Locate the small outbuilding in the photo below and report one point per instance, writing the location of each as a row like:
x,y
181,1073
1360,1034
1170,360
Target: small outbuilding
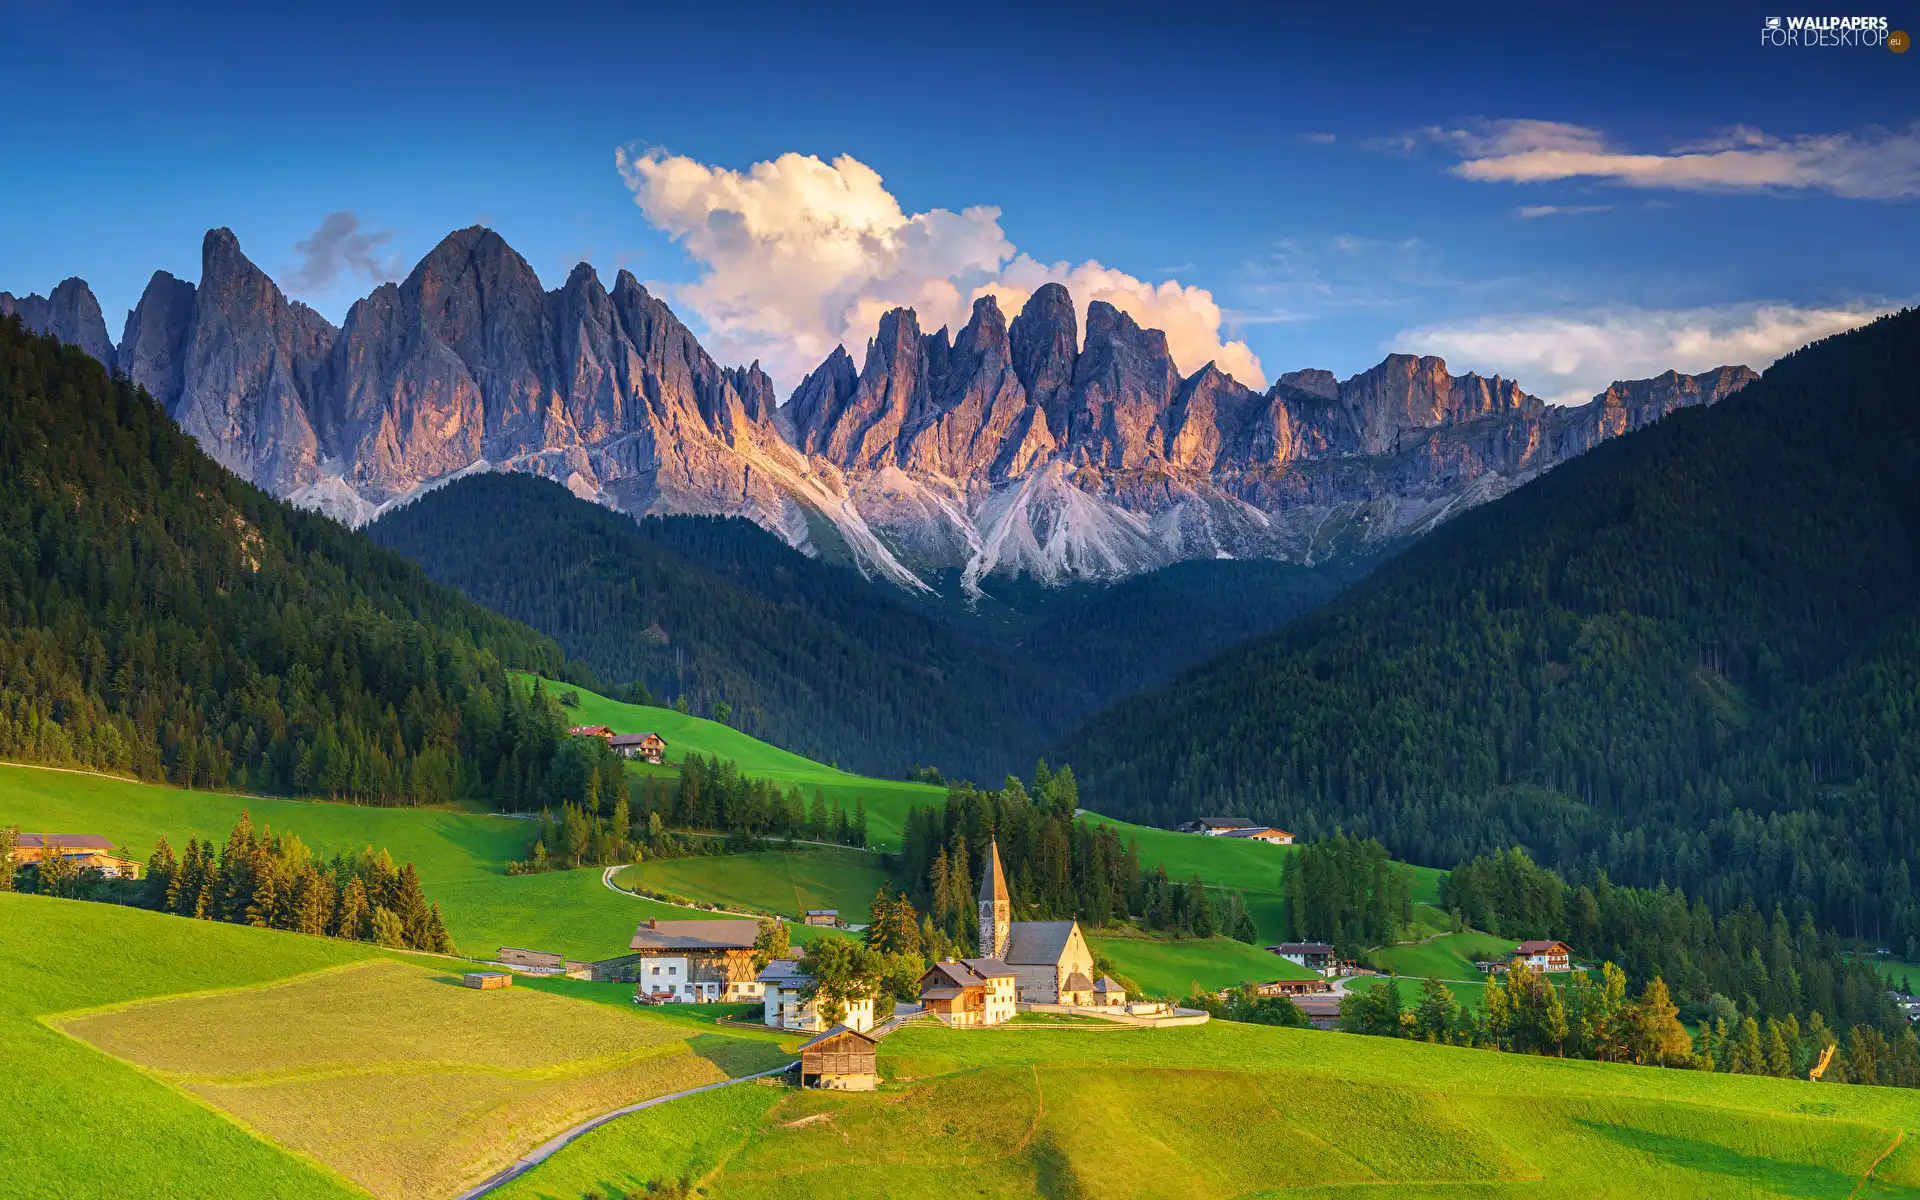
x,y
1108,994
823,916
840,1059
486,981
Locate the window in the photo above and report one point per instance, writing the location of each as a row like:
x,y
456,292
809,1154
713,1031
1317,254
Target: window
x,y
656,970
673,970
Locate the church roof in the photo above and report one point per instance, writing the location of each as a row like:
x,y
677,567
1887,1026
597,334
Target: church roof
x,y
993,881
1077,982
1106,984
1038,943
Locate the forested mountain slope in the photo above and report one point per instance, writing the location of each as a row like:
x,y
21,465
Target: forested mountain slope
x,y
160,616
814,657
1691,656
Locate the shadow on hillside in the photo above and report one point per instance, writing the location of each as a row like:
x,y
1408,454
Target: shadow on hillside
x,y
1775,1175
737,1056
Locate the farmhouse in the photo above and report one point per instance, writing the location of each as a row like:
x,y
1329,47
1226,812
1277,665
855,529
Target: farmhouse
x,y
840,1059
1213,826
1544,955
1050,959
1312,955
648,747
86,851
599,731
695,962
1262,833
823,916
785,1006
969,991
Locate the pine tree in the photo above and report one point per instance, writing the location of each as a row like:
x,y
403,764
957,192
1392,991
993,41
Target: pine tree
x,y
412,910
437,939
162,870
353,919
9,834
859,828
817,819
388,930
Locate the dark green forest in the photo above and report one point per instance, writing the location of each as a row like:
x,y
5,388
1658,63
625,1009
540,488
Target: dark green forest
x,y
161,617
814,657
1690,657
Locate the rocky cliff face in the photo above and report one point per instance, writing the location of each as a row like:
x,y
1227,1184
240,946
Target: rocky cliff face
x,y
1011,447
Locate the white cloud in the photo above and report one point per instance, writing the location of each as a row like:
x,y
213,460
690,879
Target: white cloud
x,y
1531,211
1569,359
1876,165
798,255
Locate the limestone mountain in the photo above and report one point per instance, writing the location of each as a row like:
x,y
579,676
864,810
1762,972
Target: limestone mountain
x,y
1022,446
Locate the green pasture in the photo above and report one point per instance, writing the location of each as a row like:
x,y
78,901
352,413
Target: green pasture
x,y
1172,968
886,800
1449,956
788,882
1226,1110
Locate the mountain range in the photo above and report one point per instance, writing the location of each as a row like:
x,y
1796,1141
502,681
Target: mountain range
x,y
1027,446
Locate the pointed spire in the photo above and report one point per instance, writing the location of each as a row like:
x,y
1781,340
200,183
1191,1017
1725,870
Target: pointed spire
x,y
993,881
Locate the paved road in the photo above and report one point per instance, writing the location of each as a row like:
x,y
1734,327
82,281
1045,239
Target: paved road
x,y
546,1149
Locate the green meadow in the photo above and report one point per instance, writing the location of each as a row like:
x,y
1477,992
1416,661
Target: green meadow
x,y
788,882
1226,1110
1449,956
1175,967
886,800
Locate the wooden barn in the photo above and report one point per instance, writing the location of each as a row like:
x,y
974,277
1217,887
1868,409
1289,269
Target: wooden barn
x,y
840,1059
487,980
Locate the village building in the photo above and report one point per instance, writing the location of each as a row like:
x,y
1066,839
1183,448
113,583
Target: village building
x,y
1108,994
1293,987
599,731
1262,833
695,962
1049,958
841,1059
1314,956
785,1006
823,916
86,851
1544,955
1214,826
647,747
969,991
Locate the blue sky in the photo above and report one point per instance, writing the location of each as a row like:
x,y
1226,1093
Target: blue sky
x,y
1568,199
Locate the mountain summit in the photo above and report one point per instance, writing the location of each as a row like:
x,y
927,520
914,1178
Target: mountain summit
x,y
1015,446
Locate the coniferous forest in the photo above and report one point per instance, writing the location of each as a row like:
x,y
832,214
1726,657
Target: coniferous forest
x,y
1687,658
811,656
158,616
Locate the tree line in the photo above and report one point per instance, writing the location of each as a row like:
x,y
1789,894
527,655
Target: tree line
x,y
712,793
1346,892
261,878
1056,866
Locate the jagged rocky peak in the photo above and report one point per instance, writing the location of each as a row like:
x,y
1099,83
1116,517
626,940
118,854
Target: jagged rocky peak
x,y
1045,340
153,343
1124,383
1406,393
70,313
817,404
1313,381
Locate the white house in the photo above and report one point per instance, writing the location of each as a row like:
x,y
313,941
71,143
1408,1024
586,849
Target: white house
x,y
782,982
1544,955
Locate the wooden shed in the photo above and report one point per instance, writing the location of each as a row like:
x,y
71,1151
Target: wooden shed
x,y
840,1059
485,980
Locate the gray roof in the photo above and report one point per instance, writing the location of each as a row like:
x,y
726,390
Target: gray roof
x,y
634,739
836,1031
1106,984
63,841
970,972
696,935
783,971
1224,822
1077,982
993,881
1038,943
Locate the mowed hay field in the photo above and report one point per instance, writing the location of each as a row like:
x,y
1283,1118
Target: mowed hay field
x,y
1172,968
400,1079
1224,1110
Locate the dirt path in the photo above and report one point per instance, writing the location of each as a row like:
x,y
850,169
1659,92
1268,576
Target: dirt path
x,y
1899,1135
546,1149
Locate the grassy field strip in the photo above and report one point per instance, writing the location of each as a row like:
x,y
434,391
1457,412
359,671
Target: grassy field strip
x,y
551,1146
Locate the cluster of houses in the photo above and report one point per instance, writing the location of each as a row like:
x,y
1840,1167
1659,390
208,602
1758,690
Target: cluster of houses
x,y
647,747
1235,827
86,851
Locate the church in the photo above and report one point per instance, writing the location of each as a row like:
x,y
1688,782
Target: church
x,y
1050,960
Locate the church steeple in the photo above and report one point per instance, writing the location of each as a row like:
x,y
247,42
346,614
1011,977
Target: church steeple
x,y
996,907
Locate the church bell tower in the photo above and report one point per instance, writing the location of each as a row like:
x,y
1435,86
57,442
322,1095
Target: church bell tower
x,y
996,908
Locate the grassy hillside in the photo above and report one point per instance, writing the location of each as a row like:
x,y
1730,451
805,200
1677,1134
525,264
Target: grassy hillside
x,y
886,800
1174,968
778,881
1224,1110
337,1062
461,857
